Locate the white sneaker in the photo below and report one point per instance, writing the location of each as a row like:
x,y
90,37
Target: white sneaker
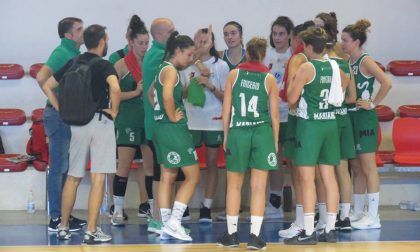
x,y
320,226
176,230
367,222
221,216
117,219
273,213
355,216
292,231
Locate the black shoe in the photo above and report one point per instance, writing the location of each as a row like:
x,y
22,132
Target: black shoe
x,y
228,240
302,239
144,209
330,237
256,242
186,216
53,225
111,212
316,219
205,215
343,225
77,221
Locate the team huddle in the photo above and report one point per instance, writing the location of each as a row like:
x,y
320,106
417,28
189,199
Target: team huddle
x,y
302,98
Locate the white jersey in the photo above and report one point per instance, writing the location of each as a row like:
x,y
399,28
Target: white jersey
x,y
277,62
209,116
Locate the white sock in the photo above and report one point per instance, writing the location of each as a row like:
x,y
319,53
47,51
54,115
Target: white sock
x,y
331,217
344,210
278,193
322,207
373,204
309,220
150,201
165,214
256,222
299,215
359,202
207,202
178,211
118,204
232,223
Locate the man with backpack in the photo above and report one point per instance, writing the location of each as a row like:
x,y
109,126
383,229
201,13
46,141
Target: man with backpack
x,y
70,30
88,84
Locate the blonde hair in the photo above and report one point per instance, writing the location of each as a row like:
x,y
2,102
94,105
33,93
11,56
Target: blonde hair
x,y
256,48
316,37
358,30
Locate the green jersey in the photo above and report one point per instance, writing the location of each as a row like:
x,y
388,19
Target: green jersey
x,y
159,109
227,60
313,103
345,67
364,84
249,100
131,112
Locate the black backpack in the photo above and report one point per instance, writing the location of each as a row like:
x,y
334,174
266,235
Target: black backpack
x,y
75,97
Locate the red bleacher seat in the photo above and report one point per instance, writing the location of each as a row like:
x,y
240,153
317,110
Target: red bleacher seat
x,y
409,111
385,113
33,71
201,153
7,166
12,117
381,66
406,138
11,71
37,115
39,165
404,67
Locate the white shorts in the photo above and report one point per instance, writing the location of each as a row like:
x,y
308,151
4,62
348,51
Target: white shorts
x,y
94,141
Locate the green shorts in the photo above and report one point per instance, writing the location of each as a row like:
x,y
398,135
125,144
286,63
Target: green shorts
x,y
365,130
282,133
317,143
290,137
209,138
174,145
345,136
130,136
251,148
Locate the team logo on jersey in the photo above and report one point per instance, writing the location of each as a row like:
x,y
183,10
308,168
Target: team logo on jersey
x,y
173,158
272,159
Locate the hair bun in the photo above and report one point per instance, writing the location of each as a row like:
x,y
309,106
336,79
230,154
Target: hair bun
x,y
362,25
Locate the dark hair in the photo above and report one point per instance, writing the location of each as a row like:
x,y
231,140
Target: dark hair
x,y
66,24
93,34
176,41
136,27
316,37
256,48
330,26
213,51
358,30
236,24
282,21
300,28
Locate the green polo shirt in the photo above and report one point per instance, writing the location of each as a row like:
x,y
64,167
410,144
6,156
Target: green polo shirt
x,y
115,56
66,51
152,59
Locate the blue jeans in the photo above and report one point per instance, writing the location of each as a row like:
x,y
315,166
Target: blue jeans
x,y
59,134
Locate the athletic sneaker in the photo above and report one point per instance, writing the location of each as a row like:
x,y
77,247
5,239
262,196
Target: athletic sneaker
x,y
55,222
256,242
228,240
355,216
330,237
320,226
302,239
205,215
111,212
144,209
117,219
63,233
271,212
367,222
292,231
77,221
186,216
343,225
176,230
154,226
96,237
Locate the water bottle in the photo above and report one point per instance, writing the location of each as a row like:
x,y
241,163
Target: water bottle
x,y
30,205
104,207
287,198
